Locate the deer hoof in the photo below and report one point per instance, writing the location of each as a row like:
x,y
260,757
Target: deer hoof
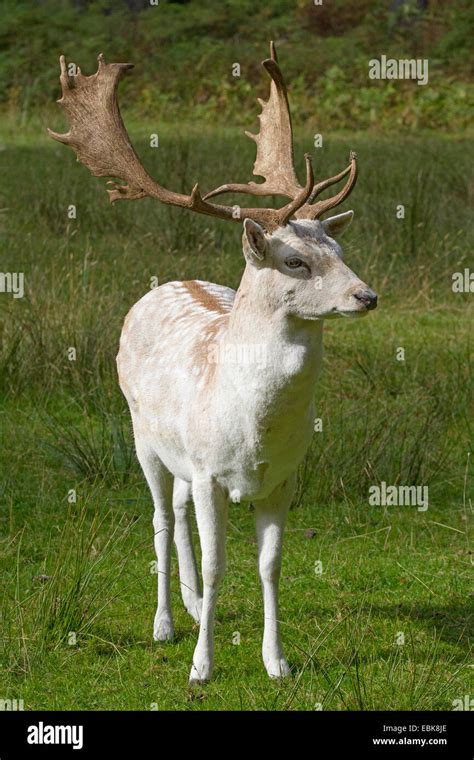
x,y
163,629
200,672
278,668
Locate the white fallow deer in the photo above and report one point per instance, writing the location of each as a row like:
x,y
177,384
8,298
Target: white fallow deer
x,y
221,384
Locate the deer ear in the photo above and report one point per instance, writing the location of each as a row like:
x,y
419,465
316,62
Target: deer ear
x,y
335,225
254,243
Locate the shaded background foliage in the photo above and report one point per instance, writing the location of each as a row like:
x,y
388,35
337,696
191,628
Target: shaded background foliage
x,y
184,53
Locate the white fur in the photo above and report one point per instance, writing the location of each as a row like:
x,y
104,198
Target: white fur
x,y
230,431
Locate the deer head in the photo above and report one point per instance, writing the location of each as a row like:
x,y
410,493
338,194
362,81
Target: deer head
x,y
301,259
299,270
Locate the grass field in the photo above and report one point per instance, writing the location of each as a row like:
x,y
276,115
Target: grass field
x,y
385,625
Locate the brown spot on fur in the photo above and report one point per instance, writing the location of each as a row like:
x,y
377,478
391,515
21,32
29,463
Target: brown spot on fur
x,y
203,349
204,297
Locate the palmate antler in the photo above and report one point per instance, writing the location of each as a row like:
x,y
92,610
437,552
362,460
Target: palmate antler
x,y
274,161
98,136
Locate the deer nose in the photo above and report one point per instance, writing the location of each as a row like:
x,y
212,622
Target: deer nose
x,y
368,298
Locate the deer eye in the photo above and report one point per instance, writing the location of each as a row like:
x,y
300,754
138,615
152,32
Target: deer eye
x,y
294,263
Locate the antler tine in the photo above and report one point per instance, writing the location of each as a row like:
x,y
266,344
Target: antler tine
x,y
312,210
325,183
300,200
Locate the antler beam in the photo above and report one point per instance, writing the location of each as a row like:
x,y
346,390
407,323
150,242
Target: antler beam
x,y
98,137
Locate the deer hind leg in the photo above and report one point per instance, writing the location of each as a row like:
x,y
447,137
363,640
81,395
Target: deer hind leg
x,y
160,482
270,523
211,514
188,573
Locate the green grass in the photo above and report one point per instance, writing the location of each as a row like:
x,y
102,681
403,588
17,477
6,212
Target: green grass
x,y
85,568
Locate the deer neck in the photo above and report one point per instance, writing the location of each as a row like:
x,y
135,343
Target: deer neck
x,y
280,355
